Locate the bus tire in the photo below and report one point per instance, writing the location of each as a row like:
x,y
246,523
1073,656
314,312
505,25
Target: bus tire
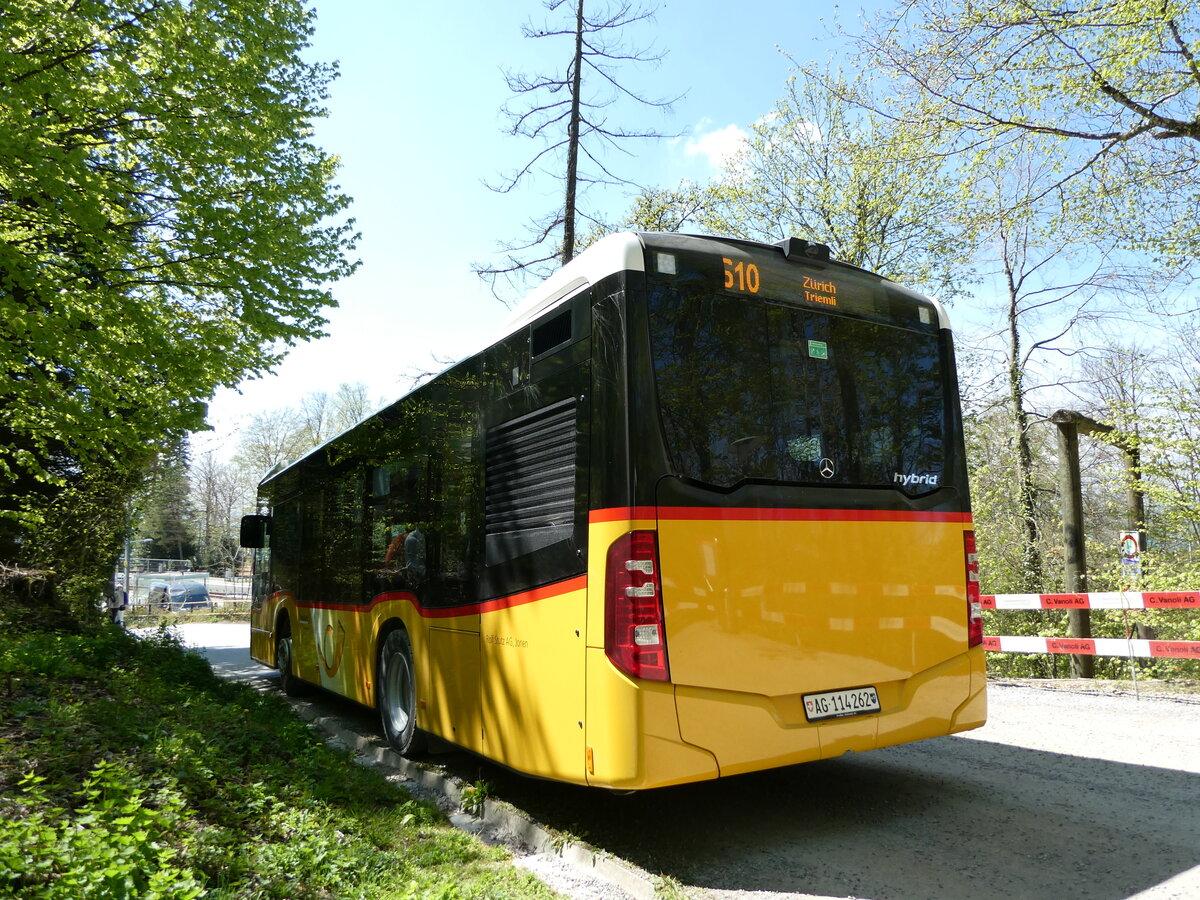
x,y
397,695
289,682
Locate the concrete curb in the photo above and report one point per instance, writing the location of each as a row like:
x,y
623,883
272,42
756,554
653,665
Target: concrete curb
x,y
499,823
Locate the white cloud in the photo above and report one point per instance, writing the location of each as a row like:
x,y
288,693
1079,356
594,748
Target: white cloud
x,y
718,147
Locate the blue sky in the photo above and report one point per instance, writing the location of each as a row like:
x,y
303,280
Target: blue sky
x,y
415,118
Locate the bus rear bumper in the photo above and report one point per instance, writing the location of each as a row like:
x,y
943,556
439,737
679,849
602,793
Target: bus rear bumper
x,y
662,734
747,732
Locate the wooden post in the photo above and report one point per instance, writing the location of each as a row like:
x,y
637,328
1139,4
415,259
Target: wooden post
x,y
1079,621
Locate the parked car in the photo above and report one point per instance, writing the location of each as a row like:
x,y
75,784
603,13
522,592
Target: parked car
x,y
179,595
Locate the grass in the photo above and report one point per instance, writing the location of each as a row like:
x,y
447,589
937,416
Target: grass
x,y
128,770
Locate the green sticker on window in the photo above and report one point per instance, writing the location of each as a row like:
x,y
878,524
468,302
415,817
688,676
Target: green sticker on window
x,y
818,350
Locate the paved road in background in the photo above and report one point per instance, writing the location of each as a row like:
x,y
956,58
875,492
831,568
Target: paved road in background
x,y
1063,794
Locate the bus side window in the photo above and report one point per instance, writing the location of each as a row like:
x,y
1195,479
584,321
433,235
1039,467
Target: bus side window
x,y
285,555
551,333
396,499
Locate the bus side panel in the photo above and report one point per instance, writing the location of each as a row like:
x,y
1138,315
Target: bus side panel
x,y
445,653
339,641
263,613
452,699
304,645
633,736
532,681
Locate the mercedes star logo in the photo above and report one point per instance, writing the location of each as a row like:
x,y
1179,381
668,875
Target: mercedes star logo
x,y
827,468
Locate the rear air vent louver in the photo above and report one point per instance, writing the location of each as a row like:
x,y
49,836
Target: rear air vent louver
x,y
530,496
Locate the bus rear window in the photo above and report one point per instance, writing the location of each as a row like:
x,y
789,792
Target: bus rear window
x,y
754,390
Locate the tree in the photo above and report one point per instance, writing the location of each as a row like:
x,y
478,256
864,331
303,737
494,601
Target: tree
x,y
166,227
269,439
281,436
166,520
323,416
815,167
220,496
1153,401
1112,89
567,113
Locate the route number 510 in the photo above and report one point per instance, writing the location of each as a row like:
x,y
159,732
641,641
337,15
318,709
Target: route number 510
x,y
741,276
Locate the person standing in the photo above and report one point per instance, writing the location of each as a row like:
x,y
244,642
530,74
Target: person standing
x,y
117,601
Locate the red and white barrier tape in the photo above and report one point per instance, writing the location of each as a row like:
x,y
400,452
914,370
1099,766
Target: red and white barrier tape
x,y
1110,600
1094,647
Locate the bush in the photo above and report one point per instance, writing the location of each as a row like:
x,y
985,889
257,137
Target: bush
x,y
128,770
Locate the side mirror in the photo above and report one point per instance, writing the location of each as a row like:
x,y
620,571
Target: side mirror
x,y
254,531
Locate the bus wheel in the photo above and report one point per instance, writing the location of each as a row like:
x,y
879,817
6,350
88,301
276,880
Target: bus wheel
x,y
291,685
397,695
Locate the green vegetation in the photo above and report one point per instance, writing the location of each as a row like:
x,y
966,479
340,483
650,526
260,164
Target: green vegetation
x,y
153,247
128,770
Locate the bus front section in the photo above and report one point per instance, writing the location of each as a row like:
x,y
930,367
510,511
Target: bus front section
x,y
792,577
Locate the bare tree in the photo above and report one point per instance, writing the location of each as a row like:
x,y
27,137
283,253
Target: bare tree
x,y
351,404
220,495
568,114
1052,279
269,439
284,435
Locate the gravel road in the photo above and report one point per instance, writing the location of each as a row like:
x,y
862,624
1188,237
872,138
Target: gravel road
x,y
1084,793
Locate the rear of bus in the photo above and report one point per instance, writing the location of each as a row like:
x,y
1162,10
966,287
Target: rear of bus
x,y
784,524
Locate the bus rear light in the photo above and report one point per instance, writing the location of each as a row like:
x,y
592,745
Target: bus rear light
x,y
634,632
974,604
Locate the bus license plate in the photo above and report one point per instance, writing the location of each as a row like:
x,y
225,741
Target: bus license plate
x,y
835,704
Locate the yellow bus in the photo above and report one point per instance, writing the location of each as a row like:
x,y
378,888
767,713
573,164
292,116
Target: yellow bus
x,y
701,509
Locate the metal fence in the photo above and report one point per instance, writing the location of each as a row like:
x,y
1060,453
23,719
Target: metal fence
x,y
150,588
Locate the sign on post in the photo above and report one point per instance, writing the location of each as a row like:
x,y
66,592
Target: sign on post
x,y
1131,551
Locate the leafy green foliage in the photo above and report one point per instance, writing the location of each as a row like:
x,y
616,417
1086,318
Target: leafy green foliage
x,y
127,770
165,226
1151,400
1109,89
817,167
104,847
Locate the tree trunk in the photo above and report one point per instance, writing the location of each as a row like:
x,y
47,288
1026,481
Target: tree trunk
x,y
1031,555
568,244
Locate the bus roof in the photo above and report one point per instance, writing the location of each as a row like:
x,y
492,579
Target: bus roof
x,y
620,252
614,253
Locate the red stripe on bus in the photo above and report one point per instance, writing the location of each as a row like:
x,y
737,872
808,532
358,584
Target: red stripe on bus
x,y
622,514
471,609
772,514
